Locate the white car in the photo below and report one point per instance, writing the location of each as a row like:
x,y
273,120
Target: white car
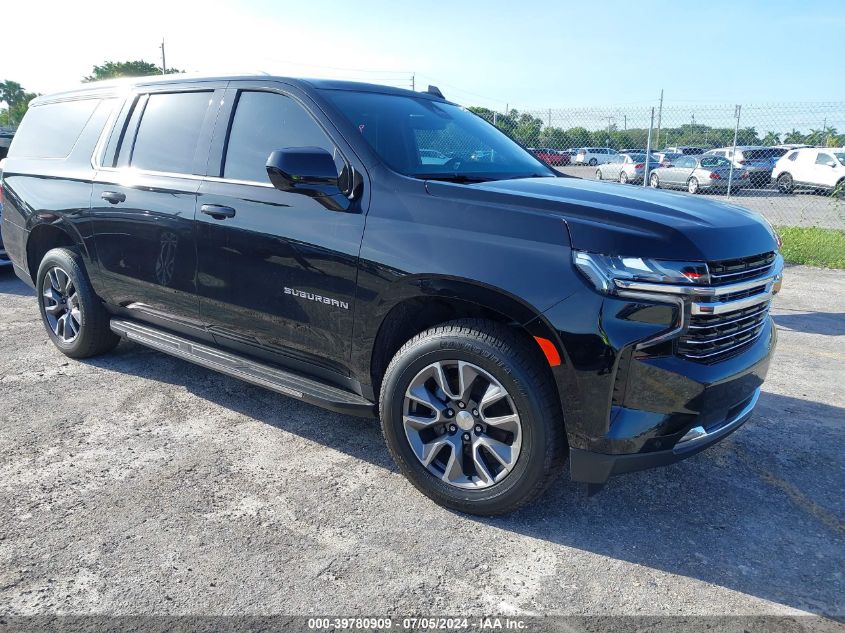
x,y
817,168
593,156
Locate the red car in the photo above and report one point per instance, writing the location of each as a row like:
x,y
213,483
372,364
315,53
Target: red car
x,y
551,156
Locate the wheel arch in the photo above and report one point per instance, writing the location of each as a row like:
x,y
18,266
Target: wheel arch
x,y
424,302
46,236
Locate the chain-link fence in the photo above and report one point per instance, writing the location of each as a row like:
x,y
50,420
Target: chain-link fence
x,y
786,161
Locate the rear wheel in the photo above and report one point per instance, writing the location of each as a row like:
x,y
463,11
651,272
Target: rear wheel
x,y
471,417
654,181
75,319
785,183
623,177
598,174
692,185
593,162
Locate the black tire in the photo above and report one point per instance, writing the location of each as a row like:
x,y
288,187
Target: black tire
x,y
519,368
598,174
93,334
593,162
785,183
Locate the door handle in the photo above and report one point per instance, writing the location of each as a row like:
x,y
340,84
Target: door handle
x,y
113,196
218,212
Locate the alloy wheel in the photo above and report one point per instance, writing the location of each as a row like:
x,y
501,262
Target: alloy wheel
x,y
623,177
654,182
692,185
60,302
462,424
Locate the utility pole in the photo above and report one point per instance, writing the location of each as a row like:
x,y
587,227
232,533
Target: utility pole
x,y
413,82
163,62
625,122
550,117
659,119
737,112
648,150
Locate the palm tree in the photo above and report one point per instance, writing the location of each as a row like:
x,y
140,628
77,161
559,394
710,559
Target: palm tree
x,y
815,137
771,138
794,137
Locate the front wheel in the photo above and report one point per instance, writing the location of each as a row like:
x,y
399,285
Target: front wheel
x,y
598,174
75,319
654,181
692,185
785,183
471,417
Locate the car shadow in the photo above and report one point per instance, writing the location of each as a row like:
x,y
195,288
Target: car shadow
x,y
828,323
760,513
11,285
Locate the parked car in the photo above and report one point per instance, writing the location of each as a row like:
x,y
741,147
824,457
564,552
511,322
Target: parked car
x,y
432,157
593,156
687,150
6,137
5,262
699,174
626,168
665,158
815,168
757,160
550,156
498,317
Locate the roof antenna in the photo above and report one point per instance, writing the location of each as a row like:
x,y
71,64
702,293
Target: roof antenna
x,y
434,90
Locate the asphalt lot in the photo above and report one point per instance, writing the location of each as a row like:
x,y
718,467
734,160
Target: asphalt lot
x,y
795,209
137,483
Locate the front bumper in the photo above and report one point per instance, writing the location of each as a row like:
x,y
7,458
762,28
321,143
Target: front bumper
x,y
597,468
633,394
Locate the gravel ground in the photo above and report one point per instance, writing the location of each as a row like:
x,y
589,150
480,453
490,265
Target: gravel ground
x,y
795,209
137,483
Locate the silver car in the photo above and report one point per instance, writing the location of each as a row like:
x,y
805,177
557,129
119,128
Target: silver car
x,y
698,174
757,160
626,168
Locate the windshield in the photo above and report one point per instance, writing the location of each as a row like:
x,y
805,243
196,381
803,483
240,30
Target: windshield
x,y
406,131
840,156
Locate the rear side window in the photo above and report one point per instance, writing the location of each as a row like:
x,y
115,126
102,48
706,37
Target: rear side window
x,y
263,123
169,130
793,156
51,130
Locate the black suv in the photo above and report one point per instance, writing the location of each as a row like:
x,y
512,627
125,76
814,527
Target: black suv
x,y
292,233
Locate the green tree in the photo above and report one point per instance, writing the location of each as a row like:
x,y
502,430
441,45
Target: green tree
x,y
771,138
794,137
138,68
815,137
17,101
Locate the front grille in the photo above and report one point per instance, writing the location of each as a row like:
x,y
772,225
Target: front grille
x,y
733,270
711,338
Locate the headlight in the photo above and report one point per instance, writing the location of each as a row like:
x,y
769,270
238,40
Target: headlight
x,y
604,270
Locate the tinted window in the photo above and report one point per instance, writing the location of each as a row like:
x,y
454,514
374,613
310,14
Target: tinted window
x,y
264,122
769,152
686,162
169,130
793,156
825,159
51,130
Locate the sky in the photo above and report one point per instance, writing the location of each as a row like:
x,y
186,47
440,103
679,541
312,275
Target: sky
x,y
498,54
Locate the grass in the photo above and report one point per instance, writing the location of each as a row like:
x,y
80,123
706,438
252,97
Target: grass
x,y
813,246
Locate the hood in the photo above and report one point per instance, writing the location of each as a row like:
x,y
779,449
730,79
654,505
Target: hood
x,y
616,219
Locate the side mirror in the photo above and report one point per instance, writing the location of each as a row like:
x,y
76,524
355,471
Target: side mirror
x,y
307,170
